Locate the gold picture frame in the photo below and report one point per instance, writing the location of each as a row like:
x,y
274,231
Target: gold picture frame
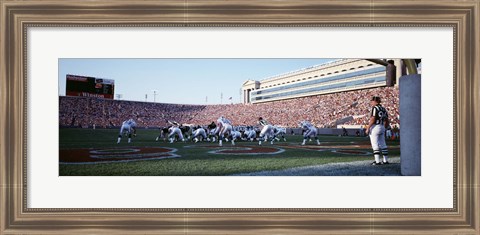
x,y
17,16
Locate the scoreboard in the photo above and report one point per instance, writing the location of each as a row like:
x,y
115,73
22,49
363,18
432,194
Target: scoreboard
x,y
90,86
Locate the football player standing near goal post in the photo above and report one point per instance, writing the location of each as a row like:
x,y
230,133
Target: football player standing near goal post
x,y
376,130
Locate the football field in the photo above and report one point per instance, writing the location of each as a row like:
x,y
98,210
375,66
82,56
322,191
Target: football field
x,y
87,152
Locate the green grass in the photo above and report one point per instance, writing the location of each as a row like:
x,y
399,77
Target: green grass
x,y
196,161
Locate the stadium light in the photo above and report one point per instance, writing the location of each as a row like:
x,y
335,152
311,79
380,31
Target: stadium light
x,y
154,96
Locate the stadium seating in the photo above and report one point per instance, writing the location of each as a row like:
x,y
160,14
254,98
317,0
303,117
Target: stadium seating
x,y
322,110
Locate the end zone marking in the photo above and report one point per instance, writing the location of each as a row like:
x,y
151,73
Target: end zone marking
x,y
114,151
241,150
247,151
115,155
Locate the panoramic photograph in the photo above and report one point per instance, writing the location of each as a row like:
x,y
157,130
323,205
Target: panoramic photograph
x,y
233,117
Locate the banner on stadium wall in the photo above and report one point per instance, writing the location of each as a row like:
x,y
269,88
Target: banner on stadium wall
x,y
90,87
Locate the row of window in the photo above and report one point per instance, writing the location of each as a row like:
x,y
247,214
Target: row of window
x,y
344,70
321,88
320,81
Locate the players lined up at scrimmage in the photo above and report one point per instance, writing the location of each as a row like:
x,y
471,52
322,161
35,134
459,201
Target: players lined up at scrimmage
x,y
223,129
175,131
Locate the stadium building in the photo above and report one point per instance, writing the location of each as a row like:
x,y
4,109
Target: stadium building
x,y
336,76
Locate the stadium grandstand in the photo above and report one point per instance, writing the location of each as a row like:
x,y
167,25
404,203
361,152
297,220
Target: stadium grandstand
x,y
341,108
329,95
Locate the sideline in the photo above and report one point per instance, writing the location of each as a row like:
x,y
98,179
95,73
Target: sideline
x,y
357,168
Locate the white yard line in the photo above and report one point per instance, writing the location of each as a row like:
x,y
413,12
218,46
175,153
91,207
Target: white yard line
x,y
357,168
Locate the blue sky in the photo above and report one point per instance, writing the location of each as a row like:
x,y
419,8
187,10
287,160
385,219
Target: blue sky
x,y
182,81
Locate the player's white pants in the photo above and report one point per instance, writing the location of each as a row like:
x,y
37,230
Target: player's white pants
x,y
199,132
280,132
377,138
218,128
173,131
236,135
125,129
226,128
310,132
267,131
213,131
252,135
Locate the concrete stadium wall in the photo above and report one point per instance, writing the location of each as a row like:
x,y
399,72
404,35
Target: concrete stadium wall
x,y
325,131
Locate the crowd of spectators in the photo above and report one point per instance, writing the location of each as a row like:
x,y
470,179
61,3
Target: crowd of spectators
x,y
322,110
